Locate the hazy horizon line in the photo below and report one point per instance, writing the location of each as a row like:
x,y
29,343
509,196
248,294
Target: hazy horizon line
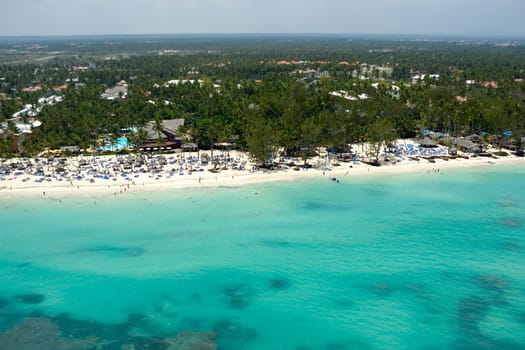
x,y
269,34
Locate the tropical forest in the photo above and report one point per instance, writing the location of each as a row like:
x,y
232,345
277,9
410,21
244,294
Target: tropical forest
x,y
260,94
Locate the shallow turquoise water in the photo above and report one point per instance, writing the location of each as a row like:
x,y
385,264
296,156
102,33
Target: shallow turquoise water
x,y
420,261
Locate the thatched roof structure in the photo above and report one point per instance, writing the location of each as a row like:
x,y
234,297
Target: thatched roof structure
x,y
190,146
474,138
169,129
467,145
428,143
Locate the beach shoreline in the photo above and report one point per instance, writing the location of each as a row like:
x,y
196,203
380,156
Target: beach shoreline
x,y
25,185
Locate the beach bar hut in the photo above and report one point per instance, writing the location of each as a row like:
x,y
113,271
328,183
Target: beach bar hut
x,y
428,143
467,146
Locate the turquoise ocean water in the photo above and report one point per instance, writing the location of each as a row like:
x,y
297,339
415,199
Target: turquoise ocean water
x,y
412,261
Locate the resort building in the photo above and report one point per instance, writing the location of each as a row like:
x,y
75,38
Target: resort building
x,y
118,91
165,137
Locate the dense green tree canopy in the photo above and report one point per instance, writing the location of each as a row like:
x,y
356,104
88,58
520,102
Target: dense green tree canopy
x,y
266,94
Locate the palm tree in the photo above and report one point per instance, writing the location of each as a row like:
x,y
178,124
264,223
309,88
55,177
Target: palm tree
x,y
158,127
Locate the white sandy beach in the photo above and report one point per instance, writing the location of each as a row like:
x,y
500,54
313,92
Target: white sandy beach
x,y
180,176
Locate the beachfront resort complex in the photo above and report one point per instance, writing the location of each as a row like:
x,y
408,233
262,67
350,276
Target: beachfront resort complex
x,y
106,120
261,192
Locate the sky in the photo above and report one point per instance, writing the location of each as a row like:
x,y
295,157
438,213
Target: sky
x,y
98,17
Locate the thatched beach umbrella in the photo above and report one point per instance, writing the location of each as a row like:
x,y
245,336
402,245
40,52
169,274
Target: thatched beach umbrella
x,y
205,158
